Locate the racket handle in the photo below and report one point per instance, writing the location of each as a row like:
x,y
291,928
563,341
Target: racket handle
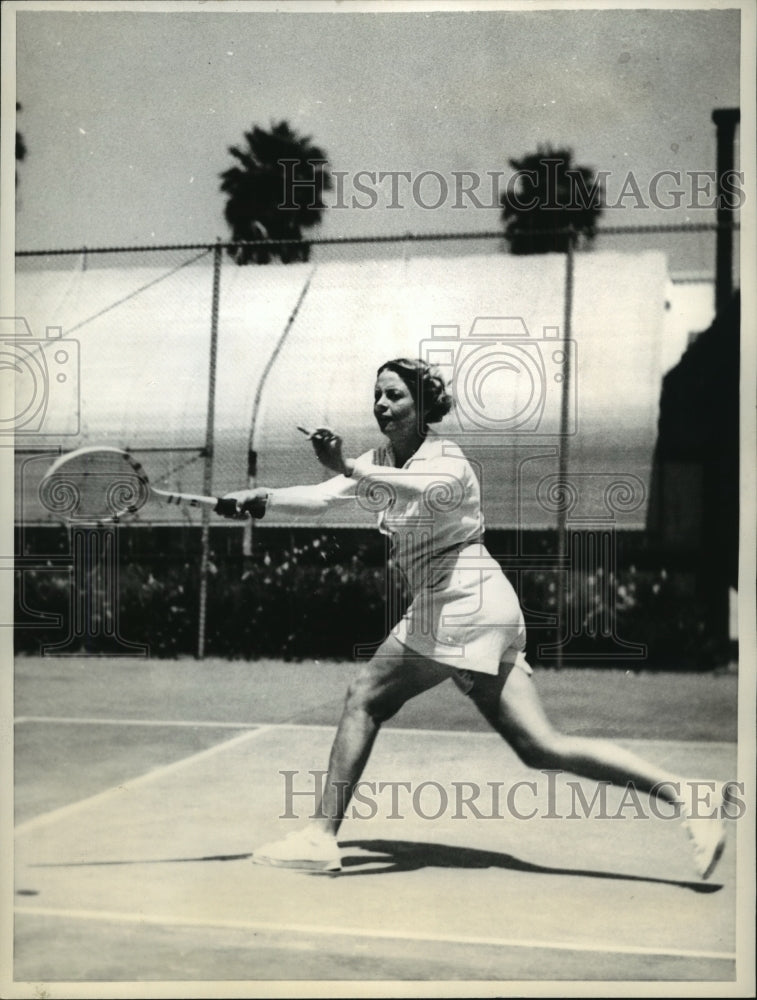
x,y
229,507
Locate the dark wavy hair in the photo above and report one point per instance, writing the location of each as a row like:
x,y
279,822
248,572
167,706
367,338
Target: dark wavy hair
x,y
426,386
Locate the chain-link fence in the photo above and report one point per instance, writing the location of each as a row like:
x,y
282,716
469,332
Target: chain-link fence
x,y
203,369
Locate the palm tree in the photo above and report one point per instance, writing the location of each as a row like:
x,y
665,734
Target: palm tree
x,y
275,191
549,203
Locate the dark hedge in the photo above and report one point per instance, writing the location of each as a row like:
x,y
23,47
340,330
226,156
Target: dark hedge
x,y
318,594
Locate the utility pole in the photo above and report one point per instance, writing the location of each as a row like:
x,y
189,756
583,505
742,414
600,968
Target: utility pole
x,y
726,120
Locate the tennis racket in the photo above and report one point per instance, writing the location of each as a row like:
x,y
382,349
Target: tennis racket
x,y
103,483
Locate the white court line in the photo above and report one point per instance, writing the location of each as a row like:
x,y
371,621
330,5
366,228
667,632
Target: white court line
x,y
254,729
318,727
143,779
95,721
332,931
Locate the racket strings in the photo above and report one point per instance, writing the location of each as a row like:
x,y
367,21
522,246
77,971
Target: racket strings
x,y
96,485
102,483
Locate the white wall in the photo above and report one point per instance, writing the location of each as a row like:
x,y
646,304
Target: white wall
x,y
143,339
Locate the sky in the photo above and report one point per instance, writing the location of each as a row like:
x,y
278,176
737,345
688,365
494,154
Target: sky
x,y
127,115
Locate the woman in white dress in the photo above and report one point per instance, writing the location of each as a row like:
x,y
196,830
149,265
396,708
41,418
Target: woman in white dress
x,y
464,621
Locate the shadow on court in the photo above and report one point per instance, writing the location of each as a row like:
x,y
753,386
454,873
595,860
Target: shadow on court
x,y
142,861
409,856
384,857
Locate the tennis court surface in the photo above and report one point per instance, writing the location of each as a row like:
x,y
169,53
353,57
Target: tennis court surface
x,y
142,788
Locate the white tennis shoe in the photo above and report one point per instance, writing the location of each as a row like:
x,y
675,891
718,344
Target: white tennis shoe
x,y
310,849
705,827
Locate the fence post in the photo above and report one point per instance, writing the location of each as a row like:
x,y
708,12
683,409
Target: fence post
x,y
208,452
252,455
562,511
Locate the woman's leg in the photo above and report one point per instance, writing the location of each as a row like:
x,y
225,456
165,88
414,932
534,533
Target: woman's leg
x,y
514,709
393,676
381,688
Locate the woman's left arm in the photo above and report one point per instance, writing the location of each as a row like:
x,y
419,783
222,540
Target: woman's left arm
x,y
447,470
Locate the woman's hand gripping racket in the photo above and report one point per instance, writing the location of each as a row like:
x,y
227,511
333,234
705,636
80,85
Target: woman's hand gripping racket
x,y
100,482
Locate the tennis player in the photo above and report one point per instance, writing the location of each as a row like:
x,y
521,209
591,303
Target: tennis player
x,y
464,622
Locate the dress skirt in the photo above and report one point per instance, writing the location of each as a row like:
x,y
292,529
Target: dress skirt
x,y
464,613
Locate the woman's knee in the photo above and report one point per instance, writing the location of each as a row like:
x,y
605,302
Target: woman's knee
x,y
543,749
520,718
365,696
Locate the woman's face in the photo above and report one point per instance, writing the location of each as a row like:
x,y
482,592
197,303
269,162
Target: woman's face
x,y
393,406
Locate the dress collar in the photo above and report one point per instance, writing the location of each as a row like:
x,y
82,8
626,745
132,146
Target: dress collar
x,y
430,447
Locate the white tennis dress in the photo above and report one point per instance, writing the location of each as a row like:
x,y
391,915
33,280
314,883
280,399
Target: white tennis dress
x,y
464,612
